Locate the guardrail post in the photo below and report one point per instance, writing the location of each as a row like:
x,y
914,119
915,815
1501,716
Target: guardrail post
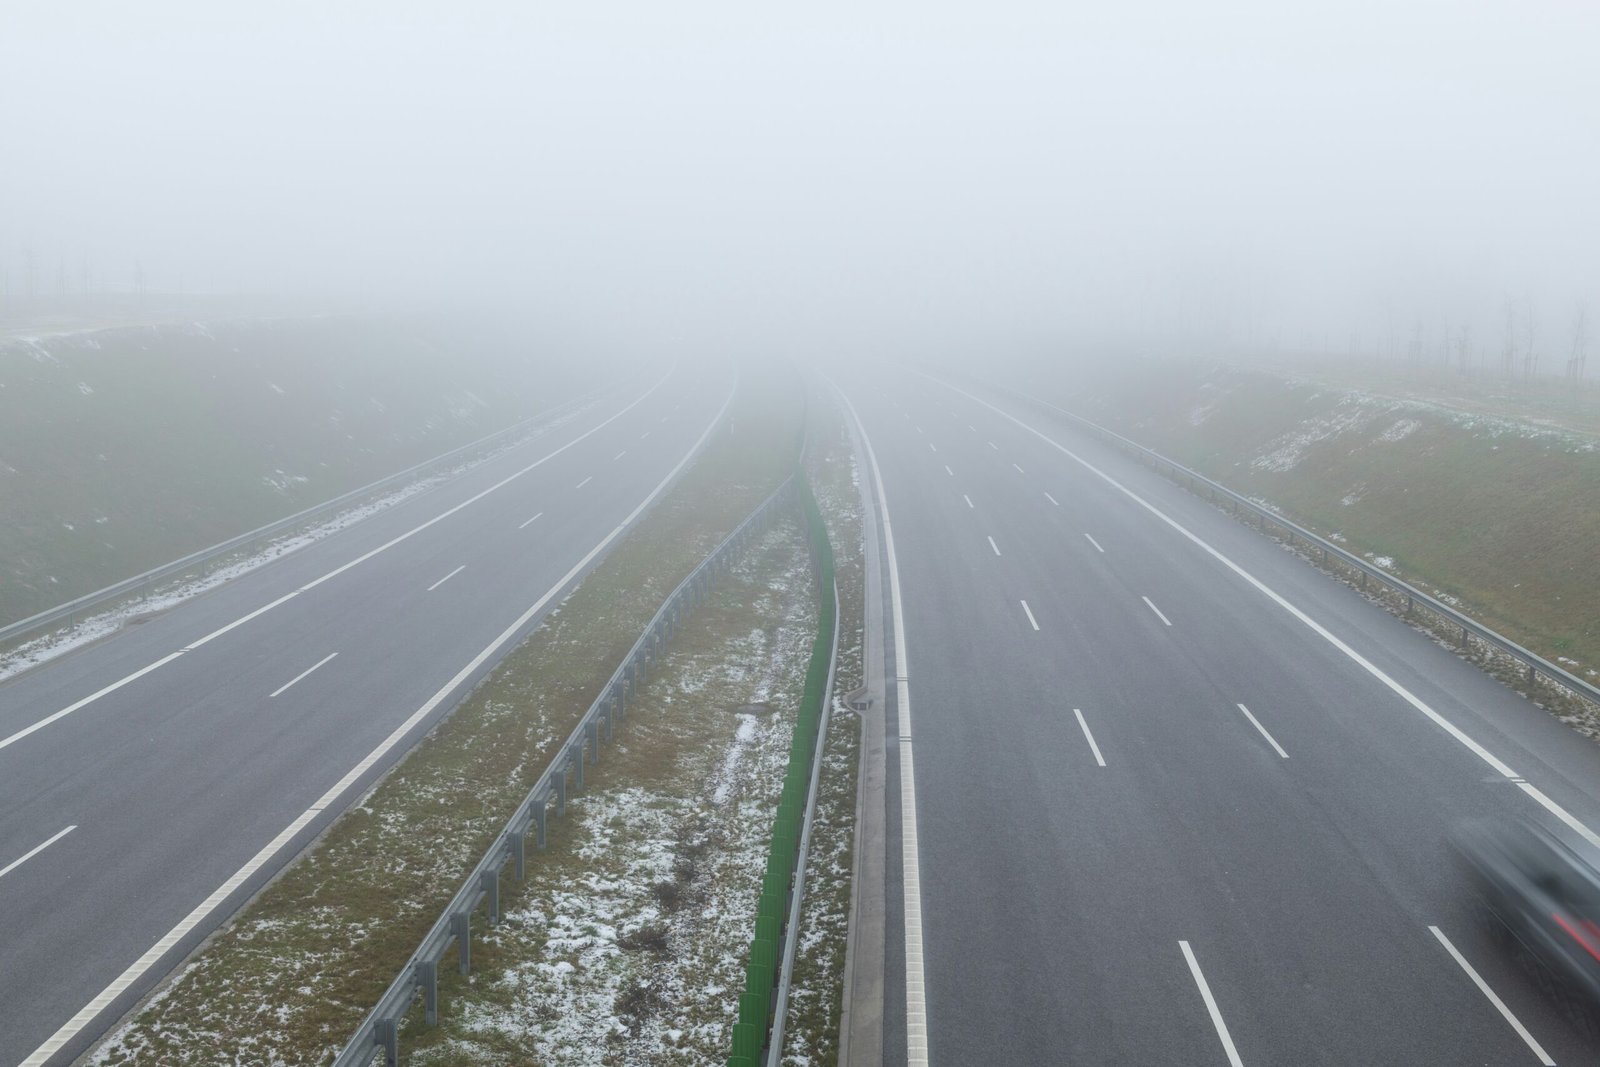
x,y
519,853
461,926
561,796
1533,676
427,976
387,1034
1411,603
491,891
1463,637
594,740
541,814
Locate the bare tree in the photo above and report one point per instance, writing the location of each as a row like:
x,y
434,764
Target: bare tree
x,y
1530,358
1580,340
1508,351
1464,350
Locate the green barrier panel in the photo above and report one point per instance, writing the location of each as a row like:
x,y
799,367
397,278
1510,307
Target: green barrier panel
x,y
752,1009
749,1035
748,1039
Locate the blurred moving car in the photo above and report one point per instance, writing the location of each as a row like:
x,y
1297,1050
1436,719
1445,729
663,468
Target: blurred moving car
x,y
1544,887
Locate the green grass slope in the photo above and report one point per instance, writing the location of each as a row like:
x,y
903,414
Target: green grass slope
x,y
1500,513
121,449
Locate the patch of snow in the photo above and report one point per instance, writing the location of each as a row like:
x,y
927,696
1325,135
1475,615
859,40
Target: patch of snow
x,y
1402,429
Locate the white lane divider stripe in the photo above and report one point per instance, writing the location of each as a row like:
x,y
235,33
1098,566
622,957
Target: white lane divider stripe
x,y
1257,724
585,482
994,446
1157,610
1093,542
1029,612
1211,1006
1087,736
1052,500
214,634
967,498
302,675
619,455
932,447
447,577
35,850
531,521
994,546
140,967
1500,1005
1317,628
910,861
948,471
1019,469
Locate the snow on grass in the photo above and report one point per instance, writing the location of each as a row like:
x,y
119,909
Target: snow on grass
x,y
627,942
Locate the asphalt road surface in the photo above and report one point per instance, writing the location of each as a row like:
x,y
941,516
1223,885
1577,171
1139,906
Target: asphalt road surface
x,y
150,783
1178,797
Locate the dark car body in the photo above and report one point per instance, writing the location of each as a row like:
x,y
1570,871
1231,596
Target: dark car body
x,y
1544,887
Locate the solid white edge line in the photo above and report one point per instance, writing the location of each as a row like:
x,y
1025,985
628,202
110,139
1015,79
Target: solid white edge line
x,y
1052,500
1089,737
1211,1005
1157,610
241,620
35,850
1029,612
301,675
585,482
1095,543
446,578
1257,724
994,546
85,1015
530,521
1367,665
910,864
1500,1005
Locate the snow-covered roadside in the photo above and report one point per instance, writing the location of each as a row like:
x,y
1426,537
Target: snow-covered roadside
x,y
104,622
627,942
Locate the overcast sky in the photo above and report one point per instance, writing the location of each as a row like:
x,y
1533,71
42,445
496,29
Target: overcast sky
x,y
825,173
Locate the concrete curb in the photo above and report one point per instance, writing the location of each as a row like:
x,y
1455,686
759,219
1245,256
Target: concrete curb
x,y
861,1015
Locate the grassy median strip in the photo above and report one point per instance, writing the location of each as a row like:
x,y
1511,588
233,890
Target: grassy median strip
x,y
622,942
289,978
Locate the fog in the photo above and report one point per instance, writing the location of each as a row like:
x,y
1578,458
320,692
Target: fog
x,y
890,178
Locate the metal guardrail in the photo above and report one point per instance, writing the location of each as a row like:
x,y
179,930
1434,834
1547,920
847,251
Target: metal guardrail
x,y
380,1030
1536,666
791,931
140,582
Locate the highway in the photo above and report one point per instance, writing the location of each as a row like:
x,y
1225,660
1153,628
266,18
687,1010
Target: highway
x,y
1160,792
151,782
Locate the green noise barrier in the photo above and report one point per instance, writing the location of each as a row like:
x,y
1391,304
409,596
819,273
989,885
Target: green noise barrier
x,y
756,1002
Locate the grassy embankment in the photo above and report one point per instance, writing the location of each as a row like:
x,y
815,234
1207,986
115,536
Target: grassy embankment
x,y
1497,514
121,449
292,975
